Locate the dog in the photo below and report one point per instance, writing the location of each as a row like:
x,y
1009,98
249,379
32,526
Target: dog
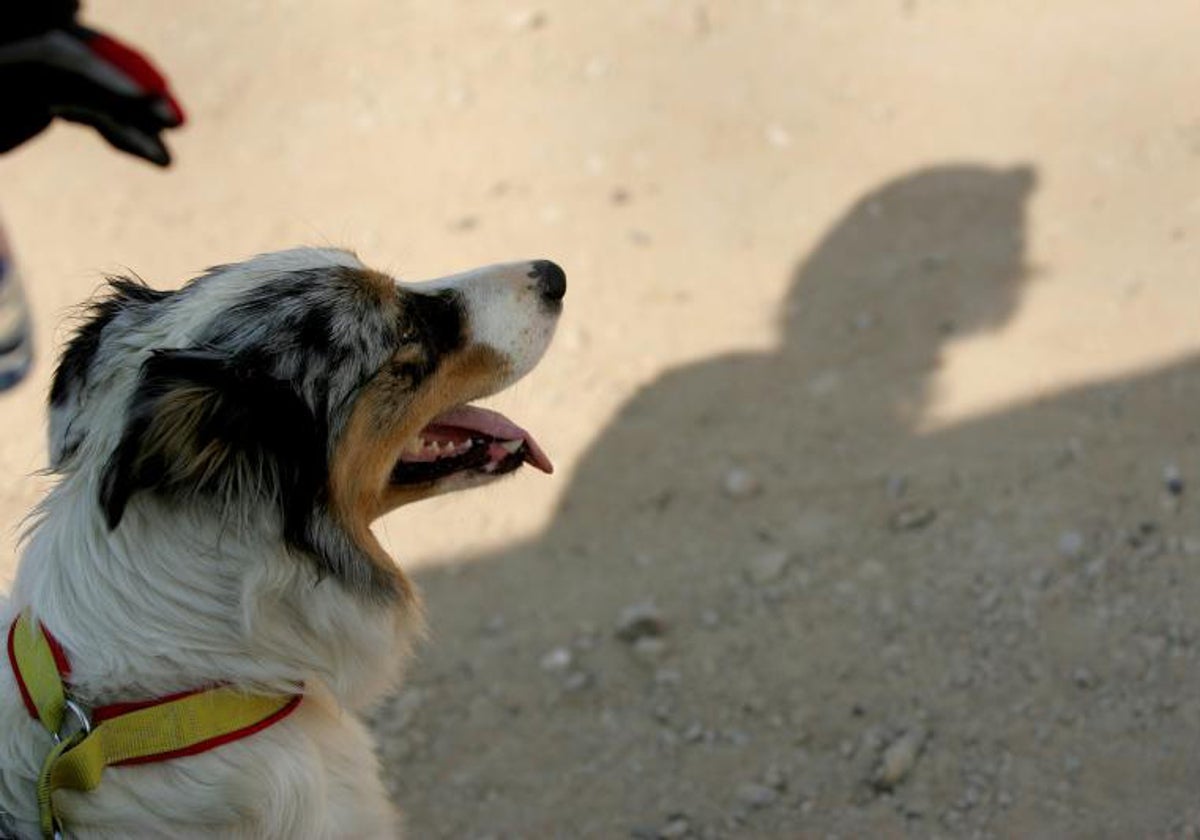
x,y
221,452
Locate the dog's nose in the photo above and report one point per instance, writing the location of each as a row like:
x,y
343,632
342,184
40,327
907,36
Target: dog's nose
x,y
551,281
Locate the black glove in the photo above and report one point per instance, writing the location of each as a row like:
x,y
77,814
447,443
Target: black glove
x,y
52,67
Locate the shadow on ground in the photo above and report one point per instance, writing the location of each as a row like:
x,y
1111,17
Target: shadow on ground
x,y
983,630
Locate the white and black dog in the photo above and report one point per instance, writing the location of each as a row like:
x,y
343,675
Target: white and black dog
x,y
221,453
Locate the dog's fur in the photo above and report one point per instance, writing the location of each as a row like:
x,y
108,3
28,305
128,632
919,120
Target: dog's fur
x,y
222,451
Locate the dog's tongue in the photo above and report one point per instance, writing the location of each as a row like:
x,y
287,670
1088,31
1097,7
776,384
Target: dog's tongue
x,y
493,424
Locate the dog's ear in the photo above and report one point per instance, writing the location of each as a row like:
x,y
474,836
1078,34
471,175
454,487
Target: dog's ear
x,y
201,423
73,374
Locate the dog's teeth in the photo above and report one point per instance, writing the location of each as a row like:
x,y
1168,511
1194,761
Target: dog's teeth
x,y
511,446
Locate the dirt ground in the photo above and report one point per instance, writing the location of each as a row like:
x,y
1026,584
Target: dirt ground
x,y
874,404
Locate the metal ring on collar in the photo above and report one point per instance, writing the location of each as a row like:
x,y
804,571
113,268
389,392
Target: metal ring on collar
x,y
81,723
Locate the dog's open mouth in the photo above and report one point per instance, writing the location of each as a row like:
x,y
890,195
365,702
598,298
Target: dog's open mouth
x,y
467,439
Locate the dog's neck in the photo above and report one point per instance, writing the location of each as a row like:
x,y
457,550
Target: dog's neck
x,y
175,598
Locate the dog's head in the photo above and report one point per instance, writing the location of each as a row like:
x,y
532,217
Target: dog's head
x,y
301,391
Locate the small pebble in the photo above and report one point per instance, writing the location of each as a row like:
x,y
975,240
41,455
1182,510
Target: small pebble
x,y
757,796
766,568
595,68
1083,678
741,484
577,681
897,486
970,798
667,677
557,660
775,778
778,136
737,737
458,96
527,19
913,518
864,321
595,164
677,826
1071,545
899,759
933,262
639,621
1173,480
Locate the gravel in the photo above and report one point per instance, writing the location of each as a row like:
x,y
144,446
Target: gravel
x,y
757,795
913,518
639,621
557,660
767,568
1071,545
741,484
899,759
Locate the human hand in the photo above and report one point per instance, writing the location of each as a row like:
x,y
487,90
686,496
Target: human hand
x,y
50,66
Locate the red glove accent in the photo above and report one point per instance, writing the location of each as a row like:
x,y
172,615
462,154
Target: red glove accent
x,y
139,69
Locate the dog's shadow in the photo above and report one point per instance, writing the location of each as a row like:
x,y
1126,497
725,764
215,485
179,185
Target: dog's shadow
x,y
1007,593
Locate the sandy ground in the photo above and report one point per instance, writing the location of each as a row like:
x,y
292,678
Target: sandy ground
x,y
879,357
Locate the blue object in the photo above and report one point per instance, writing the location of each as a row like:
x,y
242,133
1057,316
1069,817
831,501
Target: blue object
x,y
16,345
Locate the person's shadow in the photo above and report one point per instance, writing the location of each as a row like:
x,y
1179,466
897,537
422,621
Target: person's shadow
x,y
869,631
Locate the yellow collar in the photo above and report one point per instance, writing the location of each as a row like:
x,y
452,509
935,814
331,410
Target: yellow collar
x,y
126,733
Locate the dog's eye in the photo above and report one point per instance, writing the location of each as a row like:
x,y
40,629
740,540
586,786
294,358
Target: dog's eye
x,y
410,335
